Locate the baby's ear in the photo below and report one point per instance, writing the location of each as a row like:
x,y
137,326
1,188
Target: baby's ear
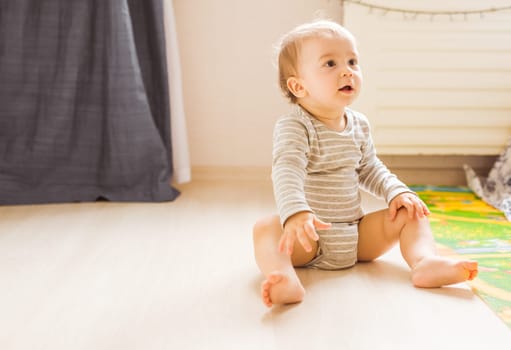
x,y
295,86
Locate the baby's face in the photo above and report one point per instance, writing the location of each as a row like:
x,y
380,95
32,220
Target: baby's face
x,y
329,71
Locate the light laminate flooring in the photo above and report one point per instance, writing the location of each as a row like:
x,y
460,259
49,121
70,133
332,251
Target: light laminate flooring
x,y
181,275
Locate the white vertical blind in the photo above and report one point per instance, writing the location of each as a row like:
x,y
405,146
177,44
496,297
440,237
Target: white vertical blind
x,y
438,85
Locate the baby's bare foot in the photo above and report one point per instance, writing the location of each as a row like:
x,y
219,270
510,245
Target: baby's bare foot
x,y
279,288
437,271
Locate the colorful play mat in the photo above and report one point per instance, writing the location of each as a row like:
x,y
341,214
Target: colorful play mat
x,y
465,225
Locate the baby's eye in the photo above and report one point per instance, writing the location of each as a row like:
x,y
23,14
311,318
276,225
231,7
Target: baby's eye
x,y
353,62
330,63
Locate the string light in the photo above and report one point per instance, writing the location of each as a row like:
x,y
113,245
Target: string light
x,y
413,14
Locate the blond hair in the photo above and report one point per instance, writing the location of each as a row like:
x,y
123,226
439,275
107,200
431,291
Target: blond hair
x,y
289,47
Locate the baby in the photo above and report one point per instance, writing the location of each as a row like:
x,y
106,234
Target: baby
x,y
322,153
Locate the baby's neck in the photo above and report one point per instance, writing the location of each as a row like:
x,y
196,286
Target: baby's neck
x,y
334,120
338,124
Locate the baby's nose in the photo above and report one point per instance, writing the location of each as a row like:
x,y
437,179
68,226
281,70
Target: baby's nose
x,y
346,74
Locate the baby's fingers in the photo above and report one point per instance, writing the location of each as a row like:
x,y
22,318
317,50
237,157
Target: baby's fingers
x,y
392,211
282,243
410,207
425,208
304,241
421,210
286,243
311,231
320,225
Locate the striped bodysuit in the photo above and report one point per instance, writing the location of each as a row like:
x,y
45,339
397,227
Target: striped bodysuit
x,y
320,170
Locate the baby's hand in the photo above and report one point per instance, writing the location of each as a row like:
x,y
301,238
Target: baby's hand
x,y
302,227
412,203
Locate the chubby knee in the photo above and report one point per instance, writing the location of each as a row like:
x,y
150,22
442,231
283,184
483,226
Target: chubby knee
x,y
265,226
261,225
258,228
403,217
393,228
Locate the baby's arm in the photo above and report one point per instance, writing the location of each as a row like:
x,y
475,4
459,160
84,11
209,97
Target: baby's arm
x,y
376,178
291,146
411,202
302,227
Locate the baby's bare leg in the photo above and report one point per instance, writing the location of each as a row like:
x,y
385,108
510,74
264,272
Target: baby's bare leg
x,y
377,234
282,285
428,269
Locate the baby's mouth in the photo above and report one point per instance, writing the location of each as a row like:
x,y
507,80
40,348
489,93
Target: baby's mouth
x,y
346,88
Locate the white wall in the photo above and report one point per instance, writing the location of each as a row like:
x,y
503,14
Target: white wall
x,y
232,99
230,83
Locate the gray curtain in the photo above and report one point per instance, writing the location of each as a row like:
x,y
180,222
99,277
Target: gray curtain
x,y
84,110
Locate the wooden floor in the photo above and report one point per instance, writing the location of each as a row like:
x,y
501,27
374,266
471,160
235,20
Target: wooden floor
x,y
181,275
